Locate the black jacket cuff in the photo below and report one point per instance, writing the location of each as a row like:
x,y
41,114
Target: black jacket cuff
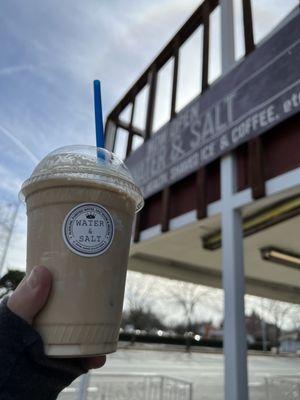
x,y
25,372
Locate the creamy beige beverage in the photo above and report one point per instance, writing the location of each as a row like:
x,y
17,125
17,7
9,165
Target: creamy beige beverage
x,y
80,213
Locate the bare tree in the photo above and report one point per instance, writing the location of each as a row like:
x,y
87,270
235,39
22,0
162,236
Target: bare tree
x,y
280,314
140,309
10,281
215,301
276,311
273,311
139,291
187,297
294,317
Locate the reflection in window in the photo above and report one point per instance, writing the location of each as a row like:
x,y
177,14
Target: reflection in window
x,y
162,108
214,65
140,109
190,69
137,141
121,143
268,14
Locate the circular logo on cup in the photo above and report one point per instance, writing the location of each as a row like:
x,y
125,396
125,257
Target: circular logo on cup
x,y
88,230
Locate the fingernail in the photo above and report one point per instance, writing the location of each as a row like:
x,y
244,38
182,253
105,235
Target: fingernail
x,y
33,279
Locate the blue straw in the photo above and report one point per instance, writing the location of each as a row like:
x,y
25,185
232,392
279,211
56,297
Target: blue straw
x,y
98,114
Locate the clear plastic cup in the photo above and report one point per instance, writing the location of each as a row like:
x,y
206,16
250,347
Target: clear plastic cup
x,y
81,203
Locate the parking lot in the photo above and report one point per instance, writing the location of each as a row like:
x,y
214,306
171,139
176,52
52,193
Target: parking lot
x,y
204,370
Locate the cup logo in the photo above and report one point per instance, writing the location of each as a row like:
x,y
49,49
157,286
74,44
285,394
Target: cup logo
x,y
88,230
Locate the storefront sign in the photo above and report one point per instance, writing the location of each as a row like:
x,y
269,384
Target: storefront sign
x,y
259,93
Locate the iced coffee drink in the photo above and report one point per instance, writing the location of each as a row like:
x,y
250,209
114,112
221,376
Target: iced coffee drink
x,y
80,206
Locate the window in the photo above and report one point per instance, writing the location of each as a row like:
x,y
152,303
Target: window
x,y
214,65
190,69
267,16
163,96
140,109
121,143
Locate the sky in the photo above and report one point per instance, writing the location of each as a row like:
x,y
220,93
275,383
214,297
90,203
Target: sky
x,y
51,53
52,50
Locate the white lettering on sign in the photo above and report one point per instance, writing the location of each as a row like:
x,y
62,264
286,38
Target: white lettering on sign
x,y
292,103
243,104
209,125
258,120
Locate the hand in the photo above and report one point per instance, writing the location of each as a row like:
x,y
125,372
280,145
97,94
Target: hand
x,y
31,295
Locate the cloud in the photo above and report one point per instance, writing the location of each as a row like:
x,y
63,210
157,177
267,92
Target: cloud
x,y
10,184
14,69
53,105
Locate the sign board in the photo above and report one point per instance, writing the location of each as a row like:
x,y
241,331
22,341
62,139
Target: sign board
x,y
259,93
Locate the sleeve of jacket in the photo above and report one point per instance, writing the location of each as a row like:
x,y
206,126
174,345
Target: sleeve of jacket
x,y
25,372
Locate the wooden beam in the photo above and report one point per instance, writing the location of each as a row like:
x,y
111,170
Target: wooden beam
x,y
201,193
124,125
165,207
205,49
151,102
175,81
130,130
255,168
248,26
137,227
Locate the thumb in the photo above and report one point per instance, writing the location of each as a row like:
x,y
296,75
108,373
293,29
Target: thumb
x,y
31,294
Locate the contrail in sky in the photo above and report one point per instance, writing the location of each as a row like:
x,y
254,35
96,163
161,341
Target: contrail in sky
x,y
18,142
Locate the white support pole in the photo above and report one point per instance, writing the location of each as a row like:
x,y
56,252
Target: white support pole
x,y
235,345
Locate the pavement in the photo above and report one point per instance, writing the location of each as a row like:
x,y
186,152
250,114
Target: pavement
x,y
203,369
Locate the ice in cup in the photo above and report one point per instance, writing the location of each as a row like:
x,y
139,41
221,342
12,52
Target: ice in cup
x,y
81,203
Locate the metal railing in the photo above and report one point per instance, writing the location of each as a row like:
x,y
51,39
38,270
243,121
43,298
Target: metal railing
x,y
130,387
201,17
